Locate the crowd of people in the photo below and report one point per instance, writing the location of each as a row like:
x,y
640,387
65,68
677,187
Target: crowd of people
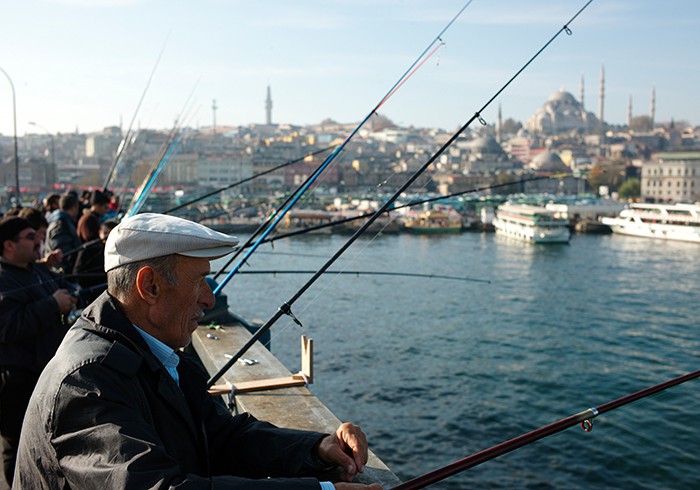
x,y
110,399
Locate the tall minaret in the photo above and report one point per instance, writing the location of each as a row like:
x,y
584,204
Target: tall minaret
x,y
601,101
268,107
214,107
629,113
652,109
499,124
580,97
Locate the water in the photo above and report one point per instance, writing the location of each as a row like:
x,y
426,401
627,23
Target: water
x,y
435,370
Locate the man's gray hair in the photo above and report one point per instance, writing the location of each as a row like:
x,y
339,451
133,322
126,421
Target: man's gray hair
x,y
121,281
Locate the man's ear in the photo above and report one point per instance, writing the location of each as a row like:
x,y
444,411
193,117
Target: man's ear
x,y
147,284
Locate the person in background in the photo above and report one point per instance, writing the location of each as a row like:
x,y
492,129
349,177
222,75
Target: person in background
x,y
121,406
33,302
61,233
90,264
50,204
89,223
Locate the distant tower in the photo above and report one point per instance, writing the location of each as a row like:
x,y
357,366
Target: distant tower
x,y
499,124
581,100
214,107
268,107
629,112
652,109
601,101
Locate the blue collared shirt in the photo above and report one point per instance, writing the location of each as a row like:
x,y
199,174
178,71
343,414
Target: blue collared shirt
x,y
164,353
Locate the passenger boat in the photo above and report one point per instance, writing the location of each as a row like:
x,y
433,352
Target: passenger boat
x,y
666,221
532,224
433,221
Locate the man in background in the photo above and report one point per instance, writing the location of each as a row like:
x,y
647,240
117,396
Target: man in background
x,y
33,301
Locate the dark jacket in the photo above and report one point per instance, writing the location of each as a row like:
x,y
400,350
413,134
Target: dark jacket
x,y
61,234
106,414
31,327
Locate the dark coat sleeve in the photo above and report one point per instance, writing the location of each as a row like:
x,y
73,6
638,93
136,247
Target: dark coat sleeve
x,y
25,313
106,438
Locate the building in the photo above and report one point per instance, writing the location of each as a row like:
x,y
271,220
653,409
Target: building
x,y
560,114
672,177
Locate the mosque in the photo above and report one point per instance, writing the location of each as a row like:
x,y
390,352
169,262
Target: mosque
x,y
562,113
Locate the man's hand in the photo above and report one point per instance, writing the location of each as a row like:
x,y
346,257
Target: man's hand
x,y
66,301
54,258
346,448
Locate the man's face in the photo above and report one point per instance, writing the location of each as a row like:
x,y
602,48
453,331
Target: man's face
x,y
24,249
101,209
180,306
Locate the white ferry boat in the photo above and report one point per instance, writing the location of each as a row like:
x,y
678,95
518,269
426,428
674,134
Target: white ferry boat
x,y
531,224
665,221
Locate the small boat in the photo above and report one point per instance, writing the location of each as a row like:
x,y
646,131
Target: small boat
x,y
433,221
665,221
532,224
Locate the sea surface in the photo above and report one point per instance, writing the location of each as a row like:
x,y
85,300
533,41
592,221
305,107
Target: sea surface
x,y
436,369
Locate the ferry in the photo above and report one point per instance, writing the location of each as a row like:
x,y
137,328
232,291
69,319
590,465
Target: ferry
x,y
666,221
532,224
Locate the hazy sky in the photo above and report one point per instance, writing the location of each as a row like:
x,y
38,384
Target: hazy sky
x,y
85,63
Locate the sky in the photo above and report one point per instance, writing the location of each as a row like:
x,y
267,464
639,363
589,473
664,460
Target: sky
x,y
85,64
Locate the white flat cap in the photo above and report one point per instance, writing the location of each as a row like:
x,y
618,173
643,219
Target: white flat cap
x,y
151,235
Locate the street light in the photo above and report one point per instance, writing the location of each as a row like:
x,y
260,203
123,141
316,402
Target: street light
x,y
14,115
52,177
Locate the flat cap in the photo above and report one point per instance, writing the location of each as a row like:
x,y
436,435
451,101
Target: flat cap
x,y
151,235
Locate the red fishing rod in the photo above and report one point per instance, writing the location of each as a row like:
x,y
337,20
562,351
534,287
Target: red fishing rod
x,y
585,419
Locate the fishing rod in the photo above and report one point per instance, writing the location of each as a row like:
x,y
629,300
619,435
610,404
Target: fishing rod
x,y
371,273
286,307
167,150
584,418
422,58
126,139
394,208
247,179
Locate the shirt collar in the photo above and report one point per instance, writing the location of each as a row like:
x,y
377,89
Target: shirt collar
x,y
165,354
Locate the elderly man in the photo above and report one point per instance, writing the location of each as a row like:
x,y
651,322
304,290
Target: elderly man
x,y
33,302
120,406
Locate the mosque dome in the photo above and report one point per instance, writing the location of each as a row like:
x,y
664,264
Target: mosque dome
x,y
548,162
561,113
485,145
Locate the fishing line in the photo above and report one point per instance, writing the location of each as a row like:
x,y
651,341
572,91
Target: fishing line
x,y
125,141
300,191
285,308
409,204
252,177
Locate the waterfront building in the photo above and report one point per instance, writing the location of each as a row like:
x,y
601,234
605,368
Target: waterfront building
x,y
672,177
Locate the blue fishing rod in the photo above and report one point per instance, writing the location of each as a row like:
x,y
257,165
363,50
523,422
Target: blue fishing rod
x,y
286,307
277,217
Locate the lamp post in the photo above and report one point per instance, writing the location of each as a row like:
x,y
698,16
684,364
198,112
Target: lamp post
x,y
53,174
14,115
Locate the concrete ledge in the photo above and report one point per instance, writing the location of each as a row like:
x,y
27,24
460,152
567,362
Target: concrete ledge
x,y
296,407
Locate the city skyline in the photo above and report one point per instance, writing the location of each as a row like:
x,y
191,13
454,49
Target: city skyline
x,y
84,64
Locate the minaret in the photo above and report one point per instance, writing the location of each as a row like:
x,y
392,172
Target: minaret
x,y
214,107
580,97
652,109
499,124
268,107
629,113
601,102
